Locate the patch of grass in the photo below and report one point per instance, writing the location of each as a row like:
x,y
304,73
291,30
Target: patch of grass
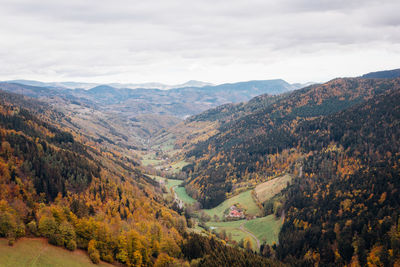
x,y
182,195
270,188
266,229
180,190
169,183
232,230
153,162
156,177
37,252
168,146
163,142
231,224
150,159
245,199
177,166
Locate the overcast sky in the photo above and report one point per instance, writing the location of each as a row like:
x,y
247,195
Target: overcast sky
x,y
172,41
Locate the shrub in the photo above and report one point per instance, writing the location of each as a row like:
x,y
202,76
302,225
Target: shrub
x,y
95,256
11,241
67,232
20,230
56,239
47,226
108,258
7,223
32,227
71,245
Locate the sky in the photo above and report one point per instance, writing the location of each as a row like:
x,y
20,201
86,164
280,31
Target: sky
x,y
173,41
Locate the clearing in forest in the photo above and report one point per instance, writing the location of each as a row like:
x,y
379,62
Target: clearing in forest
x,y
245,200
266,229
272,187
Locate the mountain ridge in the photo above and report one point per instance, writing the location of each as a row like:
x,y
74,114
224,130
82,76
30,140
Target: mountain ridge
x,y
86,86
268,131
386,74
131,107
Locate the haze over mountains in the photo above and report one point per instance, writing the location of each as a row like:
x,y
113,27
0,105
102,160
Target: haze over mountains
x,y
141,112
204,95
83,85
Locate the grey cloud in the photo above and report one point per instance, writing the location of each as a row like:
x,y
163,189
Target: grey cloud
x,y
133,39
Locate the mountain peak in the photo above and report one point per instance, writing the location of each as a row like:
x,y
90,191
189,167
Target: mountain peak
x,y
193,83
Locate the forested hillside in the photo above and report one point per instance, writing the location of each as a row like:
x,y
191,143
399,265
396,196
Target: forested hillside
x,y
345,208
341,141
264,143
200,127
78,195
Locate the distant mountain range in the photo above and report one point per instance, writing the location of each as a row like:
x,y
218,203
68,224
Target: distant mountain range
x,y
192,83
83,85
109,113
179,102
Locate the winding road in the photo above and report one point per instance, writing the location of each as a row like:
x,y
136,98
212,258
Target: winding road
x,y
250,233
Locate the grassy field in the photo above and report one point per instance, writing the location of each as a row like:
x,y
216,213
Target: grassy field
x,y
168,146
270,188
165,143
182,195
37,252
266,229
150,159
169,183
180,191
232,230
177,166
246,201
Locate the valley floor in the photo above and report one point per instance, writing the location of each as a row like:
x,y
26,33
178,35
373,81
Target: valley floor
x,y
259,230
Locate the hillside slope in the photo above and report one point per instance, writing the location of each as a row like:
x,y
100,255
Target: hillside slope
x,y
72,193
37,252
340,140
258,145
345,208
129,118
77,193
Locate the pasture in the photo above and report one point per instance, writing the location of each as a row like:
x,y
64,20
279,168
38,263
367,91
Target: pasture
x,y
36,252
266,229
246,201
272,187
